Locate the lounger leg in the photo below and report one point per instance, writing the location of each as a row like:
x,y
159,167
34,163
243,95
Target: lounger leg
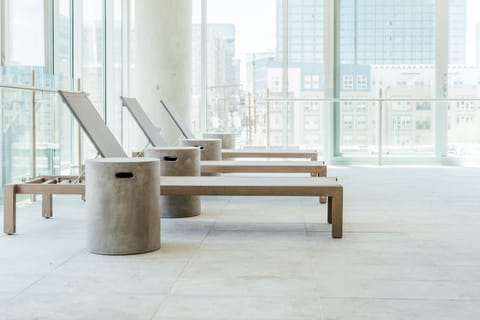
x,y
329,209
321,173
337,215
47,210
9,208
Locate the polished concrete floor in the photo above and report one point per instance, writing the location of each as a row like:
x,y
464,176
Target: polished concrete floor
x,y
411,250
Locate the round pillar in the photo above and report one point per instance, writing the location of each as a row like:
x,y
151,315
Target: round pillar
x,y
163,40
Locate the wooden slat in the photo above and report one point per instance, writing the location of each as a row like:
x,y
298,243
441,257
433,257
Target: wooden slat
x,y
36,180
315,167
76,188
308,154
253,186
51,181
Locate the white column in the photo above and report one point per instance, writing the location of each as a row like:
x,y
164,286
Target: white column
x,y
162,51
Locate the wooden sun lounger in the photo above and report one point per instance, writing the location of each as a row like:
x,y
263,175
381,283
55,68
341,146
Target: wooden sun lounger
x,y
228,154
214,186
156,140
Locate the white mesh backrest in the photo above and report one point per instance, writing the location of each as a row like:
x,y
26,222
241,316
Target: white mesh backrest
x,y
177,118
144,122
92,124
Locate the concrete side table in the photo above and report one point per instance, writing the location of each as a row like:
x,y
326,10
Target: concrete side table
x,y
122,205
211,149
228,138
178,161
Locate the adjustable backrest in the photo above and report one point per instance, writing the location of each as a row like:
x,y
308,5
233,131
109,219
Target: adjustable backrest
x,y
92,124
144,122
178,120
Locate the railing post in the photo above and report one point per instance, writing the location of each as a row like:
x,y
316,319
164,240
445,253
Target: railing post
x,y
268,119
380,124
34,137
80,169
249,132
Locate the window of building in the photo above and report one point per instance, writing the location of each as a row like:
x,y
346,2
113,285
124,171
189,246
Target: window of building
x,y
307,82
347,122
361,122
401,105
361,107
347,106
315,82
423,124
361,82
347,82
402,122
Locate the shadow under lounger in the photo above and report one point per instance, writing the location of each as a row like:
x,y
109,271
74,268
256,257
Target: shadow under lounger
x,y
213,186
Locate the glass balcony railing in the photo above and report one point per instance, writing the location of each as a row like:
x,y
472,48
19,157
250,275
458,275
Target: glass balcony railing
x,y
367,127
38,134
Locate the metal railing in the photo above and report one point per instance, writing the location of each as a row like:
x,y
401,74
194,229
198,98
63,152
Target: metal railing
x,y
33,119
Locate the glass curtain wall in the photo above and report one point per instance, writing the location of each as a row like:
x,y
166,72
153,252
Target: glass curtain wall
x,y
93,60
60,44
258,55
23,64
386,50
396,51
464,80
240,61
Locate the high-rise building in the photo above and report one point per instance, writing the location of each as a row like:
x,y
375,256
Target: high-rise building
x,y
305,31
397,32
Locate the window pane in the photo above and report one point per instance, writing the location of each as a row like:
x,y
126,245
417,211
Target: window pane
x,y
464,80
387,48
93,54
25,39
241,65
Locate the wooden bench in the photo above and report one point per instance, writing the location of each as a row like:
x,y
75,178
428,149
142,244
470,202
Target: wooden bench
x,y
214,186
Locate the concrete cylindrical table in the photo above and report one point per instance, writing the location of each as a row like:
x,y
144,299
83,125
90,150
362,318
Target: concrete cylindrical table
x,y
228,138
210,149
178,161
122,205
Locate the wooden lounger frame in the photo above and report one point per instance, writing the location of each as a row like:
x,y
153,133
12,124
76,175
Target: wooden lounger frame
x,y
216,186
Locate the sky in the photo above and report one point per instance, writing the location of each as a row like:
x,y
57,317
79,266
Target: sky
x,y
254,22
473,18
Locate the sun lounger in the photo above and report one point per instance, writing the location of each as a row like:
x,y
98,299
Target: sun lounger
x,y
213,186
227,154
156,140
